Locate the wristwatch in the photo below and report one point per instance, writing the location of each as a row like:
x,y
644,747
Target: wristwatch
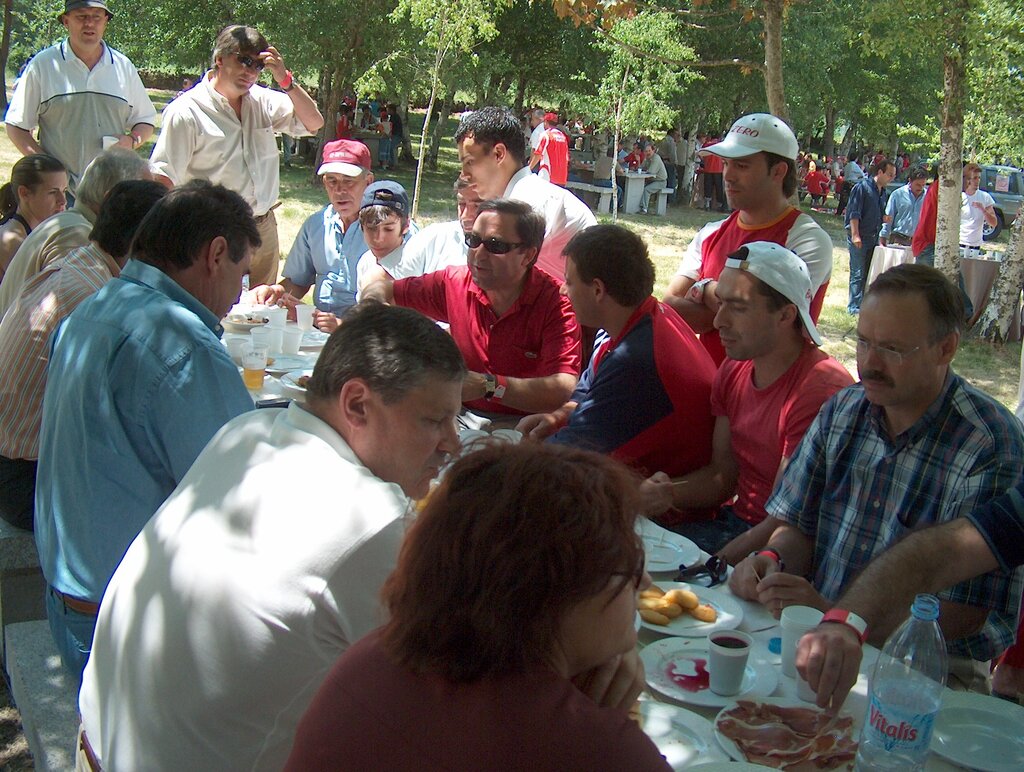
x,y
490,385
696,293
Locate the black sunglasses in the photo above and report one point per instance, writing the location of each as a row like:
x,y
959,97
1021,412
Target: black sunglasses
x,y
250,63
716,568
494,246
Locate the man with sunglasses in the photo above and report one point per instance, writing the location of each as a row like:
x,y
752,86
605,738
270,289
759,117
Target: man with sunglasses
x,y
81,94
223,130
913,444
518,334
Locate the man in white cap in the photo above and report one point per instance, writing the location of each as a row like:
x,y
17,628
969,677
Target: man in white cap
x,y
327,249
911,445
81,94
223,130
764,397
760,178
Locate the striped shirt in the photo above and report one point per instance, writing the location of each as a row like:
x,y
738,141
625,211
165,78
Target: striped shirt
x,y
855,492
44,302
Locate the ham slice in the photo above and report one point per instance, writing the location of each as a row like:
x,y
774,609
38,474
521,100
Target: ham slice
x,y
792,738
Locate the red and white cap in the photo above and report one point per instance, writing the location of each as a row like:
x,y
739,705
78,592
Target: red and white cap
x,y
757,133
783,271
345,156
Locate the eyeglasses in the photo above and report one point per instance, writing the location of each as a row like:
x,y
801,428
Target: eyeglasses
x,y
890,355
250,63
494,246
716,568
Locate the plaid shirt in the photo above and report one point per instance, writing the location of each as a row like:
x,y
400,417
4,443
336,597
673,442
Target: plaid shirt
x,y
855,492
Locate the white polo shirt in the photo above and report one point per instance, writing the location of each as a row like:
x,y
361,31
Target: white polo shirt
x,y
75,107
202,138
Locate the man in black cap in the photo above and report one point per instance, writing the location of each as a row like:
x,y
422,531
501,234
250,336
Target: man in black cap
x,y
81,94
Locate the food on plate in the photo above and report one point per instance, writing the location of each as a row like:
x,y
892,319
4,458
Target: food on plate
x,y
302,381
656,605
792,738
253,318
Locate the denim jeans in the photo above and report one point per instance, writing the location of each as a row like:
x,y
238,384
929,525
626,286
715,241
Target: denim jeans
x,y
72,632
713,535
860,264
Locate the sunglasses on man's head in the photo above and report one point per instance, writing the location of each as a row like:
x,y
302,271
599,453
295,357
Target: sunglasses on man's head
x,y
250,62
494,246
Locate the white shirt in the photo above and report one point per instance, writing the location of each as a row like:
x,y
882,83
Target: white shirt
x,y
434,248
235,600
202,138
367,262
75,107
535,136
564,216
972,219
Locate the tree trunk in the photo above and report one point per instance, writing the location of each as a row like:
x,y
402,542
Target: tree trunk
x,y
947,226
520,94
407,133
5,50
773,11
994,323
442,119
829,140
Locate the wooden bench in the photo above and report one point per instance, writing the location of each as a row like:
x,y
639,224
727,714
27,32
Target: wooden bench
x,y
604,202
662,203
48,703
22,586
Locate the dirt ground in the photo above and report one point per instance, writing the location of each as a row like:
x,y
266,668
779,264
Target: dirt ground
x,y
14,754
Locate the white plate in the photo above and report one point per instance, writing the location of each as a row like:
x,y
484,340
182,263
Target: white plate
x,y
284,362
666,550
291,379
683,737
730,612
734,750
677,669
728,766
314,339
240,325
979,732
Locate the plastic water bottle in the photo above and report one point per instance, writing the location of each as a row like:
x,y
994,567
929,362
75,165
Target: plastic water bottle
x,y
905,693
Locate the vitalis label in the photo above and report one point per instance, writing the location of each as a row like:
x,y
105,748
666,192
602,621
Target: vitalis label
x,y
897,729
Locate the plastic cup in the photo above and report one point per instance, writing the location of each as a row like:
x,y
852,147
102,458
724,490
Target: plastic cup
x,y
795,621
804,690
728,651
291,340
275,339
254,367
260,337
236,347
276,317
109,142
304,317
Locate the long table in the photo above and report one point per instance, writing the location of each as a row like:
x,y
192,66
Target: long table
x,y
762,627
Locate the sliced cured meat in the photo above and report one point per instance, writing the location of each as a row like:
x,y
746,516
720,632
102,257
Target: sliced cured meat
x,y
792,738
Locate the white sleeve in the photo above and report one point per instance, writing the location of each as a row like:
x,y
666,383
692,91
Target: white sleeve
x,y
281,111
175,145
814,246
690,265
142,106
23,110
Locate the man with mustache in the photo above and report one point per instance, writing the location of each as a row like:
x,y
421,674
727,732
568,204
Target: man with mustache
x,y
913,444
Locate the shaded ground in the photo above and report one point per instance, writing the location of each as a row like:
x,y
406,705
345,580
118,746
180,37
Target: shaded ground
x,y
14,754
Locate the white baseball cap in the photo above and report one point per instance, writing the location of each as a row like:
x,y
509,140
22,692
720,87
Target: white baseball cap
x,y
757,133
781,270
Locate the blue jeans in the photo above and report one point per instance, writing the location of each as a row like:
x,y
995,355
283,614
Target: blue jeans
x,y
385,151
713,535
72,632
927,257
608,184
860,263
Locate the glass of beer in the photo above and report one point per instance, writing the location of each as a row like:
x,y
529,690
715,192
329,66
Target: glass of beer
x,y
254,367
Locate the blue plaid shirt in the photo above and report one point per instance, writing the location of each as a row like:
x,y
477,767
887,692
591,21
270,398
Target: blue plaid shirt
x,y
855,492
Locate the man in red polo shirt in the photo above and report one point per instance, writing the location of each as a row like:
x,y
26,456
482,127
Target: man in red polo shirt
x,y
760,177
518,335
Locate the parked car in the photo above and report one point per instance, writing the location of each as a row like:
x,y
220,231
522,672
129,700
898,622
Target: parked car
x,y
1006,185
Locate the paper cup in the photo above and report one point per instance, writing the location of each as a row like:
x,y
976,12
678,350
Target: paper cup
x,y
728,651
291,340
304,317
795,621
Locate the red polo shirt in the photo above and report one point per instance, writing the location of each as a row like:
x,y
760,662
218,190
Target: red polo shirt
x,y
538,336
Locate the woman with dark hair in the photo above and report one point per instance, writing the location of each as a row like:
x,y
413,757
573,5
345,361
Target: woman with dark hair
x,y
36,191
515,586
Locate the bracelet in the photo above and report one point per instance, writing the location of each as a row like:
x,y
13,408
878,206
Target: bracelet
x,y
288,83
773,554
848,618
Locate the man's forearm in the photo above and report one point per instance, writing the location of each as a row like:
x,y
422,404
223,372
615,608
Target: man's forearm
x,y
922,562
539,395
23,140
705,487
305,109
795,547
143,131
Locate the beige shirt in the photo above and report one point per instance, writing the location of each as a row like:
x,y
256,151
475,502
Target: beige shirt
x,y
53,238
202,138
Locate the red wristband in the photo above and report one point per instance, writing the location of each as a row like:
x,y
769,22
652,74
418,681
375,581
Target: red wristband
x,y
774,555
848,618
287,82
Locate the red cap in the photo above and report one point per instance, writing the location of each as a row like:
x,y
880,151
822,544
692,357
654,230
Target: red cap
x,y
345,156
551,117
